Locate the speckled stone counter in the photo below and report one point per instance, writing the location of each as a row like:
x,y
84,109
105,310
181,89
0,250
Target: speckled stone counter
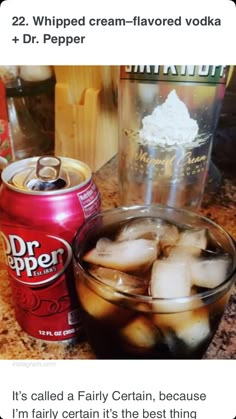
x,y
218,204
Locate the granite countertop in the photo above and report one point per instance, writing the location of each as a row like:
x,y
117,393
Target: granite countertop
x,y
219,204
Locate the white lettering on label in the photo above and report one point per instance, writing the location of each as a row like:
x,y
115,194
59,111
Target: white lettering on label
x,y
21,257
173,70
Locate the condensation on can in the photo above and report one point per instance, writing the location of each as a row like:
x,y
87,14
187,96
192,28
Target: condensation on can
x,y
43,201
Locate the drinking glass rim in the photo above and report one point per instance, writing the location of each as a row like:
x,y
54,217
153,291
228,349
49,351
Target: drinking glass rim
x,y
148,298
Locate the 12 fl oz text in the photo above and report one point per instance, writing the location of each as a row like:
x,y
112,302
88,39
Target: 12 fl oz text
x,y
46,38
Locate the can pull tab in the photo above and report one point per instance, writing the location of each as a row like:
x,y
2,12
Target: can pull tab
x,y
48,168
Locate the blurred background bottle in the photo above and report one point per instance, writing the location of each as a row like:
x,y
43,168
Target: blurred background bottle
x,y
6,149
29,89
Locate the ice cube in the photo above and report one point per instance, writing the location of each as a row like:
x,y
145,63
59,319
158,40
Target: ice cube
x,y
171,320
194,238
209,273
151,228
169,235
93,304
141,333
100,308
123,256
194,330
119,280
170,279
170,306
181,251
138,228
192,327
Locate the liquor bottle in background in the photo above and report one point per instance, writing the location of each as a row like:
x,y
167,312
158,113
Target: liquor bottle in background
x,y
29,88
6,151
167,119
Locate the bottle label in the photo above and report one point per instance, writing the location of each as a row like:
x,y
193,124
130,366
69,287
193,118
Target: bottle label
x,y
35,261
210,74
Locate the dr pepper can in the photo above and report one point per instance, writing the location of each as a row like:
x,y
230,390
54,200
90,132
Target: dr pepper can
x,y
43,201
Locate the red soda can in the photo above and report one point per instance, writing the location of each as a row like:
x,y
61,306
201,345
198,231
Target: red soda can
x,y
43,201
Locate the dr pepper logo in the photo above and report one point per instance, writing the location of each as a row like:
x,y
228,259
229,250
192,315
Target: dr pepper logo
x,y
35,259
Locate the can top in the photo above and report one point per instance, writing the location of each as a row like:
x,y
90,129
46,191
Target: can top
x,y
46,175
